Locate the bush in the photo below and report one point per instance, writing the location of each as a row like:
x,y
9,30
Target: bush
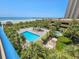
x,y
60,45
64,39
57,34
45,37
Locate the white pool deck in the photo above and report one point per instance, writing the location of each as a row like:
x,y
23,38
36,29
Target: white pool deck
x,y
51,44
40,33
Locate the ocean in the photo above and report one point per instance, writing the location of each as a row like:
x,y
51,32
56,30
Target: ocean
x,y
19,19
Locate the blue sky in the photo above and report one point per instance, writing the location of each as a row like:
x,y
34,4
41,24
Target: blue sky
x,y
33,8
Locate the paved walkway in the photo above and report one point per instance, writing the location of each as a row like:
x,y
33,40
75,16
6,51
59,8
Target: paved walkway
x,y
51,43
40,33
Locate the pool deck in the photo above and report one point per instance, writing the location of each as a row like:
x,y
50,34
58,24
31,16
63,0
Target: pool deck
x,y
40,33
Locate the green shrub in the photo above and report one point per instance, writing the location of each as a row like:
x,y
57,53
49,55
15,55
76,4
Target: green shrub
x,y
64,39
57,34
44,38
60,45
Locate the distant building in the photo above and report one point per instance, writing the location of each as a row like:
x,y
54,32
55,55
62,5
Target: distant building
x,y
72,9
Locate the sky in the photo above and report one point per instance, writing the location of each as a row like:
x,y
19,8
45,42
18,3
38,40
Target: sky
x,y
33,8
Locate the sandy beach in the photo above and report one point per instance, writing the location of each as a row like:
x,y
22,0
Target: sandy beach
x,y
16,21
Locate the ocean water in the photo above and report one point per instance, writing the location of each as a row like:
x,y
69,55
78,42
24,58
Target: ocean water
x,y
21,18
18,19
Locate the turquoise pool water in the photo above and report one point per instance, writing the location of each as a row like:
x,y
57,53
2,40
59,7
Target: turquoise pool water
x,y
30,36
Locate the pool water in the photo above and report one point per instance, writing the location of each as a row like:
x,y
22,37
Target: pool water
x,y
31,37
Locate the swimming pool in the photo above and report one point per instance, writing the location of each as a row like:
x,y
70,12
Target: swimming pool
x,y
29,36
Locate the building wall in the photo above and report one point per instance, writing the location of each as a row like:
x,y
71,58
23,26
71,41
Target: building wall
x,y
72,9
77,9
68,11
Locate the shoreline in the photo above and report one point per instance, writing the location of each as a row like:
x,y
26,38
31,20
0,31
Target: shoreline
x,y
16,21
21,20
